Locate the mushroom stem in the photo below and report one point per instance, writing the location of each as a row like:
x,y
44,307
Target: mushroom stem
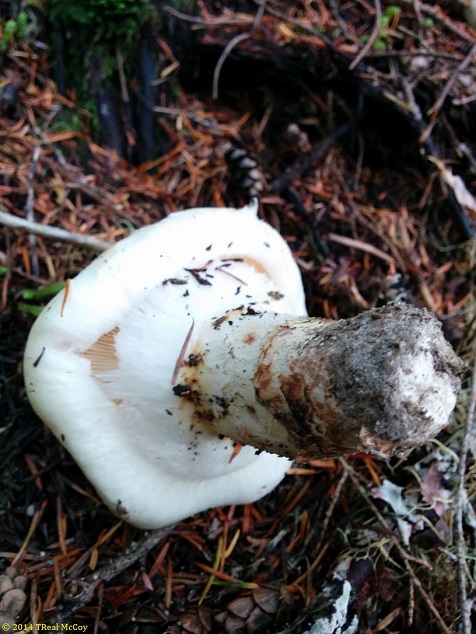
x,y
381,382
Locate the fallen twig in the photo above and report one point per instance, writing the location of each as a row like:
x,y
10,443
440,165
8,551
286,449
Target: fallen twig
x,y
460,504
373,36
86,587
231,45
434,111
430,152
437,13
207,22
361,246
55,233
226,51
29,207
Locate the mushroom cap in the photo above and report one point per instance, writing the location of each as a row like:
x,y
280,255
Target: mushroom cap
x,y
100,362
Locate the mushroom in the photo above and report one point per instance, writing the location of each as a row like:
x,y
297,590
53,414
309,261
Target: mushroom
x,y
469,11
182,372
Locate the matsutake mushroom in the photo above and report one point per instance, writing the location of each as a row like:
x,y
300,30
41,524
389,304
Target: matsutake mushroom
x,y
181,371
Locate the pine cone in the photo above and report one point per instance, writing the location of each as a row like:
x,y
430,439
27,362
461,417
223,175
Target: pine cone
x,y
193,622
393,289
245,173
12,595
250,614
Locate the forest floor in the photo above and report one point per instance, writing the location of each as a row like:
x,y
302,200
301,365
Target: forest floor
x,y
360,124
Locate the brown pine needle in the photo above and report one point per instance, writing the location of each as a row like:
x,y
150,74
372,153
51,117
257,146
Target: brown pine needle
x,y
361,246
67,289
249,585
312,567
237,447
182,352
168,584
31,531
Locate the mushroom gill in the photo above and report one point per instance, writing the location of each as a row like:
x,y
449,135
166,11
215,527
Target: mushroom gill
x,y
102,354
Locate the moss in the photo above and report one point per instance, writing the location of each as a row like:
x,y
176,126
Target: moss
x,y
92,32
108,21
12,30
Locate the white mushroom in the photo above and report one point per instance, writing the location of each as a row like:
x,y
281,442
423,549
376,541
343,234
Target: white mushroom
x,y
469,10
190,338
